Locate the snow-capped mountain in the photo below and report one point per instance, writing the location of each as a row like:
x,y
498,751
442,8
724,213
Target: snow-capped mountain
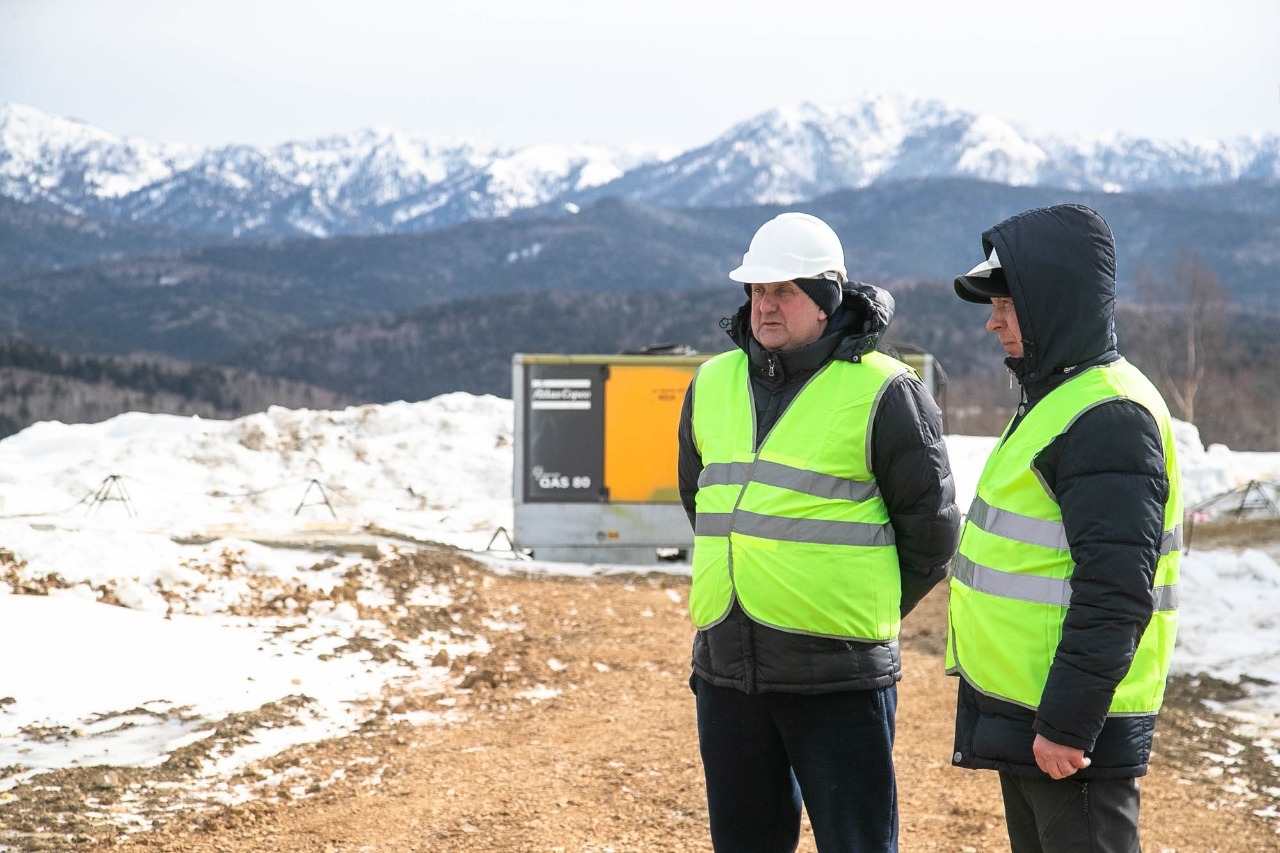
x,y
374,181
382,181
800,152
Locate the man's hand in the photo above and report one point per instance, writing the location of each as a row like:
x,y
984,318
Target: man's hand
x,y
1057,760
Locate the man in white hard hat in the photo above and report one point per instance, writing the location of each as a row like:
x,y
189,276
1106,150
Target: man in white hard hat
x,y
814,474
1063,604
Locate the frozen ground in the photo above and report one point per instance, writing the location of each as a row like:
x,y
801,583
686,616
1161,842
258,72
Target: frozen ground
x,y
268,593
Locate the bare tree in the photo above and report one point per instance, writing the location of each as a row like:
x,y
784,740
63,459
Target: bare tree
x,y
1192,307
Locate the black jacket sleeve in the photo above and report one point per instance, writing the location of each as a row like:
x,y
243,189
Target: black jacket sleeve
x,y
910,463
1107,471
689,462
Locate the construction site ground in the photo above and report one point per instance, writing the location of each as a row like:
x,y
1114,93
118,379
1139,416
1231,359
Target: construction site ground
x,y
576,732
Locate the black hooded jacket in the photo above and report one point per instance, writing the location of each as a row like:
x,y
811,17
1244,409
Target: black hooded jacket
x,y
1107,473
909,460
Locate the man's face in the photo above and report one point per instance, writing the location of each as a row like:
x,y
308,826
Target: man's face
x,y
1004,323
783,317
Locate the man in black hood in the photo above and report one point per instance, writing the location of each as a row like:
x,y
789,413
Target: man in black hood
x,y
815,476
1063,595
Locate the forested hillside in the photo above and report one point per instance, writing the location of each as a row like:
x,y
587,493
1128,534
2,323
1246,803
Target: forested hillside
x,y
40,384
412,316
467,346
207,304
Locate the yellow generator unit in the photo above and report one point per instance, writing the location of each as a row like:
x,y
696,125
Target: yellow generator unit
x,y
595,456
595,477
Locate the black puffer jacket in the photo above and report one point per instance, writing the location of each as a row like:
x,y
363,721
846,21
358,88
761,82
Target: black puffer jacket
x,y
1108,474
910,464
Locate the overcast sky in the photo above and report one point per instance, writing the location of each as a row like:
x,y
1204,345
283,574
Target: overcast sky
x,y
660,71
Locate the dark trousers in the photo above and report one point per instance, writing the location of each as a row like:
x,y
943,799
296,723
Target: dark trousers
x,y
1064,816
762,753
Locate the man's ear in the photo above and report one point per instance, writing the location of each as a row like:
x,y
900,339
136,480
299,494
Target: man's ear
x,y
822,315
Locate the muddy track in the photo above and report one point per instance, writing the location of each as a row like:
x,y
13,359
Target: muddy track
x,y
579,736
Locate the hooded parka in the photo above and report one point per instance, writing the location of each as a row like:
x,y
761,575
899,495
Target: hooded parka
x,y
1107,473
907,459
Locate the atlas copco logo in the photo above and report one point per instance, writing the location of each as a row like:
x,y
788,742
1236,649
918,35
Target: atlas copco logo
x,y
560,394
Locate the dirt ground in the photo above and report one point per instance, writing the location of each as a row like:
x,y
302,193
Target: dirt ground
x,y
578,735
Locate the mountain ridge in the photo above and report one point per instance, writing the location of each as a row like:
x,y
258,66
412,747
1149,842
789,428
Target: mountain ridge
x,y
381,181
208,303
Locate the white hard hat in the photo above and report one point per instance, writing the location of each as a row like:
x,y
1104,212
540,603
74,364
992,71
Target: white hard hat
x,y
791,246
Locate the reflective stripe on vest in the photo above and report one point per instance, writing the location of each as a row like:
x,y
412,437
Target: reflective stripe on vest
x,y
1036,531
1011,580
1035,588
797,531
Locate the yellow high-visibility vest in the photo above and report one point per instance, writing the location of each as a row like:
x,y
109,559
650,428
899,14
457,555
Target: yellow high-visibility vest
x,y
797,531
1011,580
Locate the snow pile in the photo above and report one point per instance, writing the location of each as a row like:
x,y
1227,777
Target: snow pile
x,y
252,559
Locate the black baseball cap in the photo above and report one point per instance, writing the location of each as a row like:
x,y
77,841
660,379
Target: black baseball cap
x,y
983,282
